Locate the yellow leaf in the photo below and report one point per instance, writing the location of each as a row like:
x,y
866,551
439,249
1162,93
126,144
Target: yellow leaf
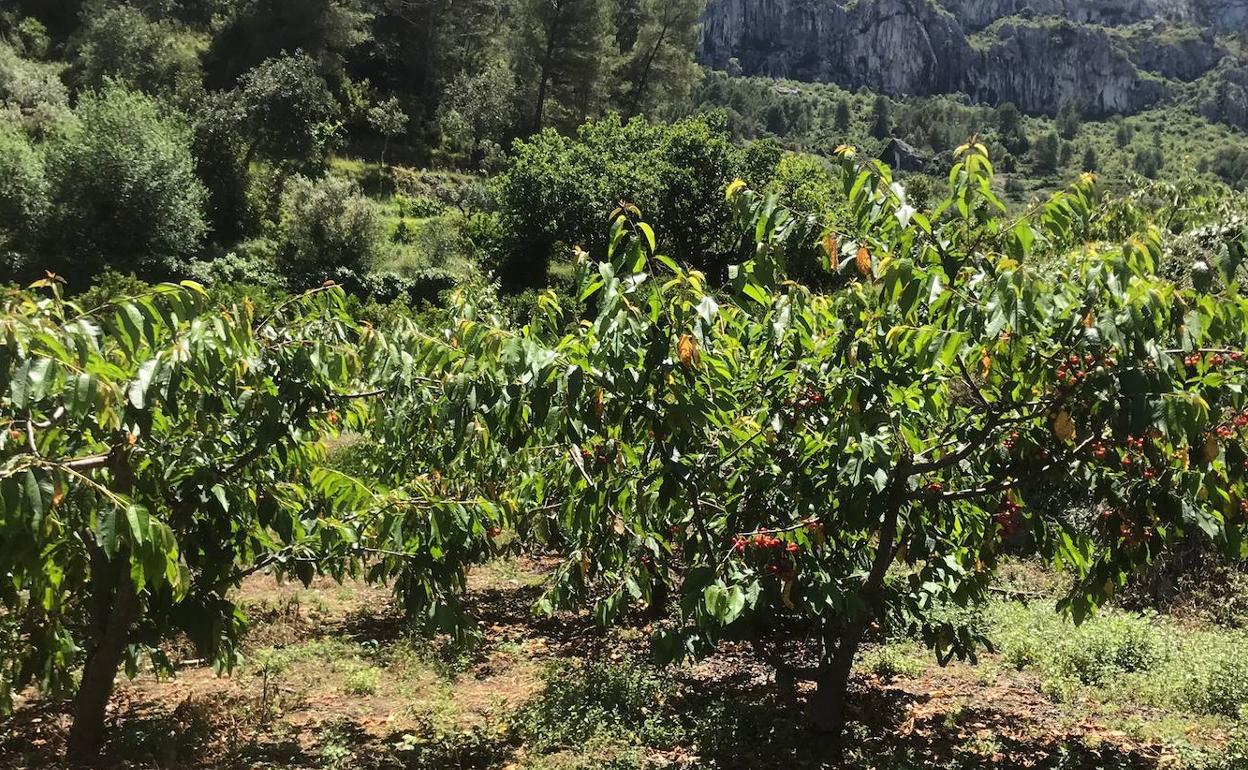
x,y
599,403
734,187
1063,426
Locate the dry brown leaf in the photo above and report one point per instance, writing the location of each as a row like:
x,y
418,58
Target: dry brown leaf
x,y
687,350
831,247
863,261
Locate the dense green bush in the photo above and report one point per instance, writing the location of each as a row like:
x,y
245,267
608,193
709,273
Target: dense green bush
x,y
30,85
153,56
326,227
558,190
1212,677
125,190
24,191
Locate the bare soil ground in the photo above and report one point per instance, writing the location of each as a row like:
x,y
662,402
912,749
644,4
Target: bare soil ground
x,y
331,678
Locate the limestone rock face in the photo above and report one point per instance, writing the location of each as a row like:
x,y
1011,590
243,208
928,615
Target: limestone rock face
x,y
894,46
1039,68
977,14
1110,56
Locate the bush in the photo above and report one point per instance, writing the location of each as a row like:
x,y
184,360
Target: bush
x,y
326,227
559,189
1092,653
434,745
156,57
361,681
30,85
23,191
124,187
584,701
890,661
1109,645
253,263
1212,674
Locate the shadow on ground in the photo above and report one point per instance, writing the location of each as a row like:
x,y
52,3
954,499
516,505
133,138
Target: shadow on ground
x,y
730,713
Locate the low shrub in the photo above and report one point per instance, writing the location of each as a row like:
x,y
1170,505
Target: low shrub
x,y
587,701
1092,653
1210,674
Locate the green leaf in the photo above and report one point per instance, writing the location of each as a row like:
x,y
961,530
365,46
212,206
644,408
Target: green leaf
x,y
756,293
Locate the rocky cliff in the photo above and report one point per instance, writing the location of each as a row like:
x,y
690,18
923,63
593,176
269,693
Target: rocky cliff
x,y
1110,56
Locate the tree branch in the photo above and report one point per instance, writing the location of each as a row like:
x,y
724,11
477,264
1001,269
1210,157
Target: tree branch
x,y
1001,485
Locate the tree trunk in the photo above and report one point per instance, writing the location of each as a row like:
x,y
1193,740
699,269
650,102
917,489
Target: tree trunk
x,y
639,88
548,57
86,735
828,707
829,704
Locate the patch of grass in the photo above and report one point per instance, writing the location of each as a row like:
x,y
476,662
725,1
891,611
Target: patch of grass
x,y
895,659
434,745
1122,657
596,755
1092,653
585,701
361,681
1209,674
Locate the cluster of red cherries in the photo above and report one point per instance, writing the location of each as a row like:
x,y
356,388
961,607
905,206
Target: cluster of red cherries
x,y
1130,535
600,456
1007,517
1192,360
1074,369
809,399
1135,448
1011,441
1238,422
763,541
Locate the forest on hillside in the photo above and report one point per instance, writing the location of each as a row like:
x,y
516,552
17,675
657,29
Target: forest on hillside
x,y
492,385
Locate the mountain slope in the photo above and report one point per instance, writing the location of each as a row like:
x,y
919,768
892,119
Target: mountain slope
x,y
1107,56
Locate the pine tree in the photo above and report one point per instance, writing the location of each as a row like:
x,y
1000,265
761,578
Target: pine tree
x,y
659,67
557,54
842,115
881,118
1089,160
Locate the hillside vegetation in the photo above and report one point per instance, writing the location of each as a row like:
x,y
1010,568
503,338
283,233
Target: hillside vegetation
x,y
413,384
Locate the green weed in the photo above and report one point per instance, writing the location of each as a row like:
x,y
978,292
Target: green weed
x,y
586,701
